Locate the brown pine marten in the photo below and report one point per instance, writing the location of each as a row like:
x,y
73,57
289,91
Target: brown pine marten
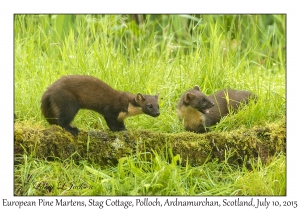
x,y
199,111
62,100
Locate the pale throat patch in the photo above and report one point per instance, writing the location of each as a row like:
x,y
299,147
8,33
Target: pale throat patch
x,y
191,117
132,111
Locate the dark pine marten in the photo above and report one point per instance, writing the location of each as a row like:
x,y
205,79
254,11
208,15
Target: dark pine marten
x,y
199,111
62,100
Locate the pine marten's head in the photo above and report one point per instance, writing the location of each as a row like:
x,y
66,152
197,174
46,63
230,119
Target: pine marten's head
x,y
197,100
148,103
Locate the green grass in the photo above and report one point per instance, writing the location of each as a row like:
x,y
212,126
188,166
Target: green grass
x,y
165,54
135,176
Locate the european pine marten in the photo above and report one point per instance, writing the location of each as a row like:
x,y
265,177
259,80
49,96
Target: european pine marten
x,y
199,111
62,100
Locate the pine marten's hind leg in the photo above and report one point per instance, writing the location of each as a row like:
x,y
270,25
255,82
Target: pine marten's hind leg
x,y
66,116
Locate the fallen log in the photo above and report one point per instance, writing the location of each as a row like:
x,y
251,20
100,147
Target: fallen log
x,y
106,148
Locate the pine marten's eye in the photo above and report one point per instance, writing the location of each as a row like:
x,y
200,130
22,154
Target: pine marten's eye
x,y
149,106
203,100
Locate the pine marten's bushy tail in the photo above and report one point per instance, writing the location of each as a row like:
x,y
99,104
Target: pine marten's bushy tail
x,y
47,109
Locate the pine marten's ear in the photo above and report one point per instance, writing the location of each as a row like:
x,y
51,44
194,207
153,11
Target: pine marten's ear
x,y
139,97
156,96
197,87
188,97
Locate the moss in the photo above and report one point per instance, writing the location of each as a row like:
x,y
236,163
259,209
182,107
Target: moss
x,y
106,147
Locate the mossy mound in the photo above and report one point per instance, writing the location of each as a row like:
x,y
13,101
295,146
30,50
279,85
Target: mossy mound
x,y
105,147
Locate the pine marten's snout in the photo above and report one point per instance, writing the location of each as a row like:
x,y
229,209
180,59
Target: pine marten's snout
x,y
206,106
156,114
153,113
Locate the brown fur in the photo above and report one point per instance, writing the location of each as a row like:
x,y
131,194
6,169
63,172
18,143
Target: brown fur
x,y
62,100
199,111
